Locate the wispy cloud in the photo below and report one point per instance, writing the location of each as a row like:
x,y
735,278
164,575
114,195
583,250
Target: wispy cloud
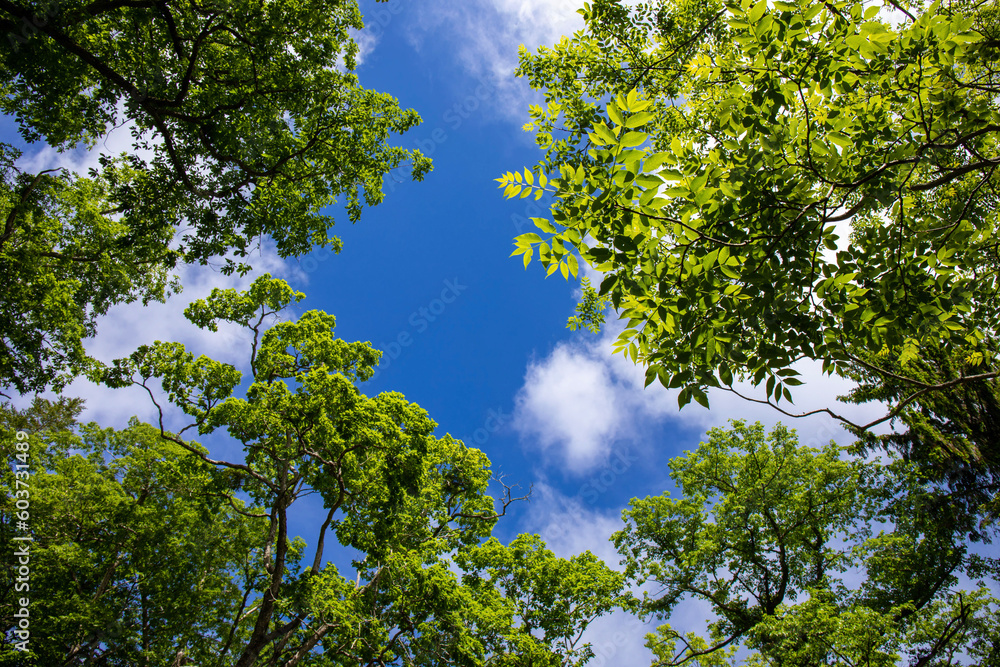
x,y
119,139
488,33
485,36
569,526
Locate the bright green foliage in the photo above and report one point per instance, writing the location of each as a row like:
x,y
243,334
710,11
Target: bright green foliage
x,y
65,262
193,554
590,311
766,182
764,533
247,122
822,632
137,546
762,507
546,598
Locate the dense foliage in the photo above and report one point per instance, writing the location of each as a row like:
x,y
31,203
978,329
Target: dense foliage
x,y
766,183
780,541
758,183
762,183
247,123
149,551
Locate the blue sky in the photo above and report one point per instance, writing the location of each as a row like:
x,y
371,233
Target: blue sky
x,y
471,336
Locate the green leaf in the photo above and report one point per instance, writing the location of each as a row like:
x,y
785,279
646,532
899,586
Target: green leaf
x,y
633,139
787,128
638,119
700,396
729,272
656,160
607,137
545,225
615,114
841,140
684,397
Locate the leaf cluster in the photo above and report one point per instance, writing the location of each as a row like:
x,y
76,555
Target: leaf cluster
x,y
776,183
247,124
150,549
806,557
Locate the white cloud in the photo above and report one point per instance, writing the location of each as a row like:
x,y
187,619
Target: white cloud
x,y
81,159
618,639
580,399
570,400
489,32
367,40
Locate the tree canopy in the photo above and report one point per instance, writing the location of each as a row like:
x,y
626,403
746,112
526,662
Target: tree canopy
x,y
147,550
758,184
764,183
247,124
770,535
